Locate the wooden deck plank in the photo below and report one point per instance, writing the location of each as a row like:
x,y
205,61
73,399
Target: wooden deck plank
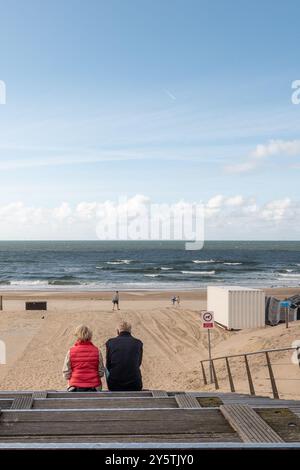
x,y
5,404
114,422
248,424
95,403
187,401
155,438
64,394
108,415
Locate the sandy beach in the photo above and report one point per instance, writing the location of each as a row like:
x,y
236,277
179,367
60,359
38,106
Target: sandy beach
x,y
174,343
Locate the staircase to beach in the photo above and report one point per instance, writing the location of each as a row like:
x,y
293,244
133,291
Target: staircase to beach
x,y
43,419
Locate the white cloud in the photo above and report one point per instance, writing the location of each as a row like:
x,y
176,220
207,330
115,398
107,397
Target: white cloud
x,y
277,147
215,202
241,167
263,151
235,201
277,210
62,212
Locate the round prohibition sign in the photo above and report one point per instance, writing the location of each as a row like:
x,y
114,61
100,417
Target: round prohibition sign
x,y
207,317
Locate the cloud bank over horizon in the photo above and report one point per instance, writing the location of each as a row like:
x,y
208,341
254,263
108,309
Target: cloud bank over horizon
x,y
224,216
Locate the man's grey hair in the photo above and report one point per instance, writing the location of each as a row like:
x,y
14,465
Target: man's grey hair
x,y
124,326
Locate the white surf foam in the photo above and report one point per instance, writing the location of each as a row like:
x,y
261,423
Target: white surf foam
x,y
203,273
203,261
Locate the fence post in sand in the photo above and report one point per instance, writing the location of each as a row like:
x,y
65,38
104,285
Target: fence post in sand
x,y
272,378
232,389
1,302
251,386
203,373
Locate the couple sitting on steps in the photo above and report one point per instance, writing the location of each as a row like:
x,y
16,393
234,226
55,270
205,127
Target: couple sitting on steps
x,y
83,366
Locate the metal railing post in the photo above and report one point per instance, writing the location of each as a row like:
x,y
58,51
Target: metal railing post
x,y
272,378
203,373
229,375
211,365
214,375
250,382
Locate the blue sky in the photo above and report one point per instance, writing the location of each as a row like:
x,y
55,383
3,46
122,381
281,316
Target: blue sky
x,y
168,99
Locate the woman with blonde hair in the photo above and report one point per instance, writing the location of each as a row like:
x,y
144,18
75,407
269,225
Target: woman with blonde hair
x,y
83,366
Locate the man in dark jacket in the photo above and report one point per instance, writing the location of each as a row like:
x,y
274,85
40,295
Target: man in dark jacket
x,y
123,360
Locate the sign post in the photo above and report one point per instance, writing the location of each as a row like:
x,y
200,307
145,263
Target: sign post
x,y
208,323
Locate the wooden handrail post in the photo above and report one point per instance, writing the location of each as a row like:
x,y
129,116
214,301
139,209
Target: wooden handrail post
x,y
250,382
229,375
203,373
214,375
272,378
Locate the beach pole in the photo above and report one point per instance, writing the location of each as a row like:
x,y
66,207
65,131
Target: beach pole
x,y
209,357
1,302
208,323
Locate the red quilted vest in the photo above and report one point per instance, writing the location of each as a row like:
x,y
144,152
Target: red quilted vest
x,y
84,357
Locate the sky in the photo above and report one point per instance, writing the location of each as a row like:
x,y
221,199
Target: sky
x,y
149,100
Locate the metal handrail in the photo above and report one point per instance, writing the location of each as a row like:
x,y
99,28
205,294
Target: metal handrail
x,y
252,353
266,352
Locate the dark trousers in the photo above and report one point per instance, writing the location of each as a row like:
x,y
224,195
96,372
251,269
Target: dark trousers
x,y
117,387
81,389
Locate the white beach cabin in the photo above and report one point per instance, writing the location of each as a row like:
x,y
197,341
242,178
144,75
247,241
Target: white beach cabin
x,y
237,308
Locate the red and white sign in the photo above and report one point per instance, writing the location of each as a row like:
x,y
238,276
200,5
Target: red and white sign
x,y
207,319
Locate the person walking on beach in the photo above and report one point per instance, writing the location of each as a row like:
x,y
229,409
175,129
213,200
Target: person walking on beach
x,y
124,355
173,300
178,300
83,366
116,300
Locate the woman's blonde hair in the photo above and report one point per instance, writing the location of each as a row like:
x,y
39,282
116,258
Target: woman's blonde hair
x,y
83,333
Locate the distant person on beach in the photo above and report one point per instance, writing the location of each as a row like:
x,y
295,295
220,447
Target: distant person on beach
x,y
178,300
116,300
83,366
173,300
124,356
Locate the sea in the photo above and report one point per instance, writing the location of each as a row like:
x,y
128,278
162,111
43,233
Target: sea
x,y
103,265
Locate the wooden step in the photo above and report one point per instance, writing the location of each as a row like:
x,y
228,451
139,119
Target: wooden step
x,y
165,423
103,402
